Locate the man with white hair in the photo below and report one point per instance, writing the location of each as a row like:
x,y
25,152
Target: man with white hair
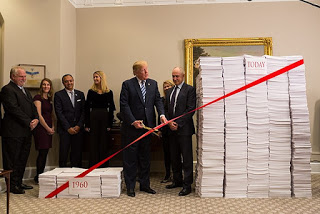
x,y
20,118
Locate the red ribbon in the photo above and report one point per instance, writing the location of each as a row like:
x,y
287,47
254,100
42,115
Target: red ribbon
x,y
256,82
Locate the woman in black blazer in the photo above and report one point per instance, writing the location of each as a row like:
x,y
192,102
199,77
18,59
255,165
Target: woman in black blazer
x,y
99,117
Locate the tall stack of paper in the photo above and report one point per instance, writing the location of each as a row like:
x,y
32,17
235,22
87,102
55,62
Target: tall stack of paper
x,y
280,130
111,182
48,182
301,148
210,129
235,129
258,128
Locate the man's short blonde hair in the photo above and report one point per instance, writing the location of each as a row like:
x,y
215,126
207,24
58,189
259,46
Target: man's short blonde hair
x,y
138,65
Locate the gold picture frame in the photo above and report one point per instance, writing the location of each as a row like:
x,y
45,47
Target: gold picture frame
x,y
223,47
35,73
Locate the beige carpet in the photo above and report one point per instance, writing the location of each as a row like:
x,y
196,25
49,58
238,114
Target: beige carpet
x,y
165,201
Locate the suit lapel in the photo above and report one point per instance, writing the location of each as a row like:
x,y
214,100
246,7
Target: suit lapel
x,y
26,96
137,87
182,89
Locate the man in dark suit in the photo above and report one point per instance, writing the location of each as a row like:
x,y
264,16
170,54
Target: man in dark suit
x,y
138,98
20,118
69,107
181,99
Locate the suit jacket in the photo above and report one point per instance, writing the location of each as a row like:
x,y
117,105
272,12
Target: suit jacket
x,y
67,115
19,111
132,106
186,101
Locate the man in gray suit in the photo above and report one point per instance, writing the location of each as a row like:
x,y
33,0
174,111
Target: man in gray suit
x,y
181,99
139,95
20,118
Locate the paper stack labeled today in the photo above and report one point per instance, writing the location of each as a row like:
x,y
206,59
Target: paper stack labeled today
x,y
48,182
280,129
111,182
301,147
210,129
235,129
258,128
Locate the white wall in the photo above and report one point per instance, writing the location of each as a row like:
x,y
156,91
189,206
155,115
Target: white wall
x,y
111,39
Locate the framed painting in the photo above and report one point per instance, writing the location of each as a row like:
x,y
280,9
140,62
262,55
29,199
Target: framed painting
x,y
35,73
225,47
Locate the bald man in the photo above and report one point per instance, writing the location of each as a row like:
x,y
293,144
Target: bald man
x,y
181,99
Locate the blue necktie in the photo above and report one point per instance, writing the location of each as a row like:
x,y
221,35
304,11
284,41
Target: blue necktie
x,y
143,90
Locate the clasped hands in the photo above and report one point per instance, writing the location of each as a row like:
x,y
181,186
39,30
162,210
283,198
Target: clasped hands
x,y
74,130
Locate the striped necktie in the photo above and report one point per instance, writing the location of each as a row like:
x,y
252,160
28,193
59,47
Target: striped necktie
x,y
143,90
72,98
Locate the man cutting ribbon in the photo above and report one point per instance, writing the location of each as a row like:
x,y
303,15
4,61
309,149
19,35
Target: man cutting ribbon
x,y
139,95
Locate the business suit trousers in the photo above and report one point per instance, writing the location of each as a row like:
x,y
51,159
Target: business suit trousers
x,y
75,142
15,152
137,155
181,146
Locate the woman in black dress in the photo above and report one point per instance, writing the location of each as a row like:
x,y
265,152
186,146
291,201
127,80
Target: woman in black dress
x,y
44,131
99,117
165,138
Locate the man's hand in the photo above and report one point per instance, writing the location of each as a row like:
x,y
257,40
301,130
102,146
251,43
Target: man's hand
x,y
33,124
173,126
72,131
163,119
138,124
76,129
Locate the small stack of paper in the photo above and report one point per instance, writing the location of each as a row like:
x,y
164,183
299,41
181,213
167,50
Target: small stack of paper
x,y
210,129
95,185
48,182
280,130
301,148
258,128
235,129
111,182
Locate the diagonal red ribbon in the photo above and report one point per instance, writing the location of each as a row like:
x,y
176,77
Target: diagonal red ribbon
x,y
256,82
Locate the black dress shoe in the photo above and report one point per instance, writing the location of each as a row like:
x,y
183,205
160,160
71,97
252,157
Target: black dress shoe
x,y
16,190
24,186
174,185
185,191
147,190
131,193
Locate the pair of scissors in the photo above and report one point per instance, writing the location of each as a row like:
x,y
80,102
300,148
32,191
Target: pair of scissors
x,y
148,128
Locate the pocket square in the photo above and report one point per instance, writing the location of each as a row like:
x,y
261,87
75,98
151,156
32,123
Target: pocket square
x,y
79,100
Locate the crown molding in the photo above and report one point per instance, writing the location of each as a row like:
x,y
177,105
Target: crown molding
x,y
127,3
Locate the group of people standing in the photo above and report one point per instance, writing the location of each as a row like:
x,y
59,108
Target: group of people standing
x,y
138,99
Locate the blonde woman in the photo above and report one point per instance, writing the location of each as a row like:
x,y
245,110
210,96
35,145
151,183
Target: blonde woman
x,y
99,117
165,139
44,131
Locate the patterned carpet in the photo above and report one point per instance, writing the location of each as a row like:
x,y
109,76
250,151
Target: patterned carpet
x,y
165,201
